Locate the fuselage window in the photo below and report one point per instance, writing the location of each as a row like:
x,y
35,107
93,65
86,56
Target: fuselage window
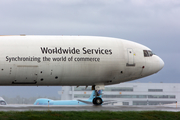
x,y
146,53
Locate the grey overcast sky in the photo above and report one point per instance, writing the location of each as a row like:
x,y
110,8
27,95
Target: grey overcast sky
x,y
153,23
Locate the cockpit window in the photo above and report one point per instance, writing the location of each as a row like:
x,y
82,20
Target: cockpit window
x,y
147,53
150,53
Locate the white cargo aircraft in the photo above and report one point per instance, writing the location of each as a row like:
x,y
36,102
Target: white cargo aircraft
x,y
73,61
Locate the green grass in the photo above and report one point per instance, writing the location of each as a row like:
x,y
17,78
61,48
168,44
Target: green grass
x,y
102,115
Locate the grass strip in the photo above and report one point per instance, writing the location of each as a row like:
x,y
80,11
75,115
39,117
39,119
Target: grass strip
x,y
89,115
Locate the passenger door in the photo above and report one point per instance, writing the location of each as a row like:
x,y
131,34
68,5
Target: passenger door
x,y
130,57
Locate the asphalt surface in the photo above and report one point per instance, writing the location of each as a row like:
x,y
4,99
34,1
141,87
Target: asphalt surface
x,y
88,108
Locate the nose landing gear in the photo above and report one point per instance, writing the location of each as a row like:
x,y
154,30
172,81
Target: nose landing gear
x,y
98,93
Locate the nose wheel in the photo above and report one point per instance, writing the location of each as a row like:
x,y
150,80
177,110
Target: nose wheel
x,y
97,101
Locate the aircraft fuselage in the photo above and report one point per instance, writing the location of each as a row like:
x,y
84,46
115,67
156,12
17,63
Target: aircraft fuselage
x,y
73,60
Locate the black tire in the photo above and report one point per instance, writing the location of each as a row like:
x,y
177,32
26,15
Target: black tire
x,y
97,101
94,101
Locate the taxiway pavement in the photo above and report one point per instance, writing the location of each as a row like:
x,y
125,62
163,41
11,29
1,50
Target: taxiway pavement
x,y
87,108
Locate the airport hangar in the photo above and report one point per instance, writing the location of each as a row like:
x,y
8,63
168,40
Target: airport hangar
x,y
129,93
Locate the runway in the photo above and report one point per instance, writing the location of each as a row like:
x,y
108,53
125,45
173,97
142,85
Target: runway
x,y
87,108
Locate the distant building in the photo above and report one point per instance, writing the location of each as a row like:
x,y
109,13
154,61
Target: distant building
x,y
130,93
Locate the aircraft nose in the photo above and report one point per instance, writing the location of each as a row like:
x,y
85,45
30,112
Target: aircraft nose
x,y
159,64
153,65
